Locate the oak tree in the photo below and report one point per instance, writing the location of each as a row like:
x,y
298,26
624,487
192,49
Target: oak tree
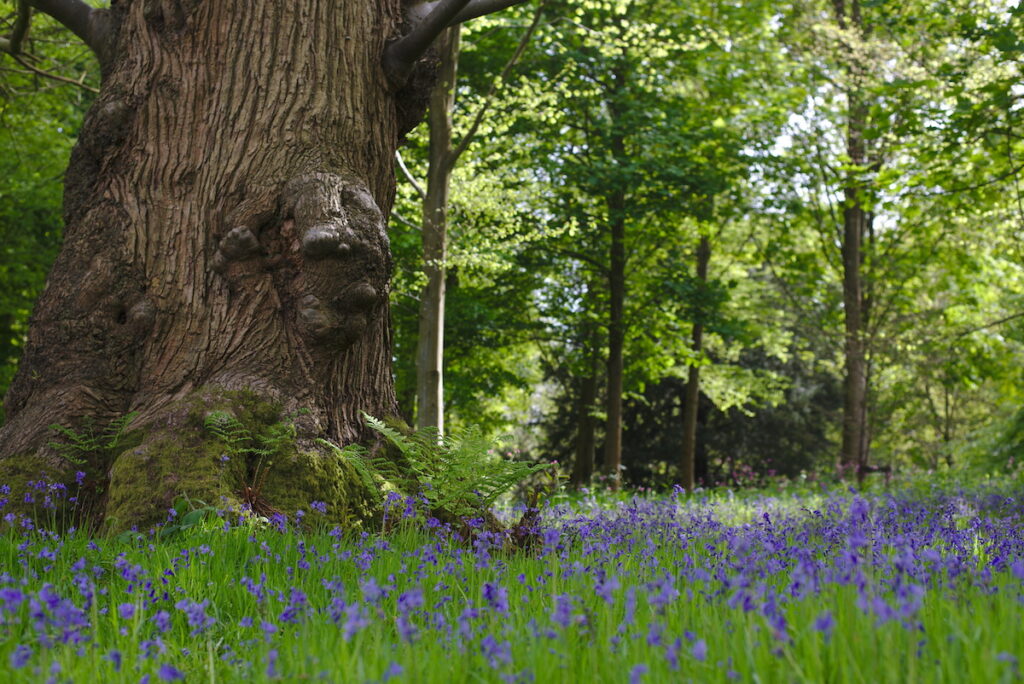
x,y
225,247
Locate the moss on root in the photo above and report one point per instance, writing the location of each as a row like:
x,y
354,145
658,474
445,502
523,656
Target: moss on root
x,y
145,481
300,478
181,456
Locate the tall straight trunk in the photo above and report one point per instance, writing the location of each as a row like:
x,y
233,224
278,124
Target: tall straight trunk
x,y
225,251
616,338
854,455
691,396
430,343
616,204
855,416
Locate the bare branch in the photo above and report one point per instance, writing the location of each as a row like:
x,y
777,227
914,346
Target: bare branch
x,y
990,324
56,77
12,45
404,221
401,55
90,24
478,8
520,49
408,175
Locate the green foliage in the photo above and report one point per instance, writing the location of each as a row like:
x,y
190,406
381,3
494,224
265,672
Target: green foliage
x,y
39,119
93,446
188,514
243,442
461,474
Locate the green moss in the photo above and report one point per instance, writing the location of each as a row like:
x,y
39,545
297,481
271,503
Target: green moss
x,y
186,457
145,481
298,479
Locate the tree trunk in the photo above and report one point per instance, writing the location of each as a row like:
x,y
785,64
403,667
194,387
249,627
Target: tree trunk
x,y
854,449
586,423
691,396
616,202
225,248
616,341
854,455
430,343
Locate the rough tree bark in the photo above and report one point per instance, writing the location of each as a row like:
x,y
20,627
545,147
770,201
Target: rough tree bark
x,y
691,395
225,245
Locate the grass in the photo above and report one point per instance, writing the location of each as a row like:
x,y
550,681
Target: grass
x,y
914,584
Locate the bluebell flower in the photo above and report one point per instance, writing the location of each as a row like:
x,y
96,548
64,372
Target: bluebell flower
x,y
169,673
394,670
562,614
162,620
406,629
699,650
496,652
355,620
20,655
195,613
269,629
409,601
672,653
272,664
496,597
825,623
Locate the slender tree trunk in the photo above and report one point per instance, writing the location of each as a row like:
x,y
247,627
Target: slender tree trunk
x,y
854,454
224,249
586,423
616,339
691,398
616,203
430,343
854,451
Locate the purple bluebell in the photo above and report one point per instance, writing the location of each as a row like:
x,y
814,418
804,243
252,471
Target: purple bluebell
x,y
496,652
496,597
168,673
20,656
699,650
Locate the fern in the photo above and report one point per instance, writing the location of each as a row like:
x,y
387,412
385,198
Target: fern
x,y
241,441
460,473
81,448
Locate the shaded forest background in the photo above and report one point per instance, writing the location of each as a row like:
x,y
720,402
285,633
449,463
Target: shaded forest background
x,y
681,177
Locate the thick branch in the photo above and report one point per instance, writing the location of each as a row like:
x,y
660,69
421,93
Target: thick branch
x,y
89,24
478,8
430,18
401,55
